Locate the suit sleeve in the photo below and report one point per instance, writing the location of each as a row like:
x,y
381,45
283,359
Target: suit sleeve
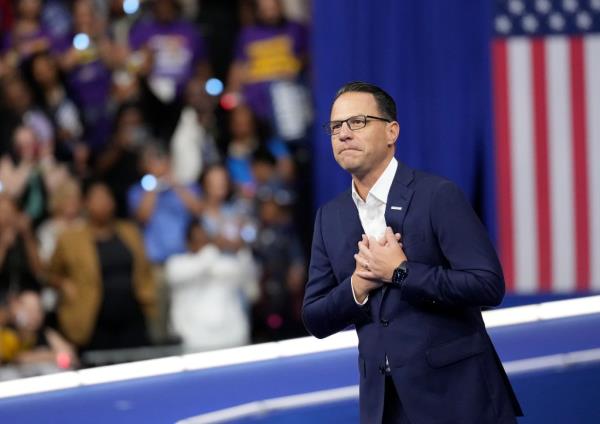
x,y
472,275
328,306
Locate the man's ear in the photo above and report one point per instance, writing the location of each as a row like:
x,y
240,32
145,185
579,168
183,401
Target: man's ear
x,y
393,131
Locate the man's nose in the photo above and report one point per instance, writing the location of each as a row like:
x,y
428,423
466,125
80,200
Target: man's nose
x,y
345,132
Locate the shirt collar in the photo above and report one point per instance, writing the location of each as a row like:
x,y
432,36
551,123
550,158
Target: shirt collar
x,y
381,188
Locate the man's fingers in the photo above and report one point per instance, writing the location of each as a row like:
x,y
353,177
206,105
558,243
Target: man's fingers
x,y
364,251
365,239
389,235
361,261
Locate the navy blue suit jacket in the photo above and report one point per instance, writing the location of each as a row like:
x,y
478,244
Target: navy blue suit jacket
x,y
442,361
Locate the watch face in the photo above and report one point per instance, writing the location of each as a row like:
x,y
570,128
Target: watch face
x,y
399,275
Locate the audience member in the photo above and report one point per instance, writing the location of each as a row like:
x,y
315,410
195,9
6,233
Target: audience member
x,y
161,206
168,52
19,109
246,139
25,339
88,57
280,252
116,164
225,219
31,173
47,83
272,49
65,212
104,278
193,146
20,266
211,292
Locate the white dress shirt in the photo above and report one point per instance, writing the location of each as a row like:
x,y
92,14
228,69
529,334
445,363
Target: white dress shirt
x,y
372,210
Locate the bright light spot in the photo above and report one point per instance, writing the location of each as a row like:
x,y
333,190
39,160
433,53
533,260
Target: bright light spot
x,y
248,233
214,86
149,182
131,6
81,41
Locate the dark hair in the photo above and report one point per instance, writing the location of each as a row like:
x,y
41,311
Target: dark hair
x,y
263,155
385,102
203,177
89,183
34,87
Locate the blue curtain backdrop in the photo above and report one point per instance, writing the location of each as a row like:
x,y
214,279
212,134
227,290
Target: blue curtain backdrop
x,y
433,57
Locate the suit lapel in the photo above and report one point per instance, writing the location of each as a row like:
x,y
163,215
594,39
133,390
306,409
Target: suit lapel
x,y
399,198
398,202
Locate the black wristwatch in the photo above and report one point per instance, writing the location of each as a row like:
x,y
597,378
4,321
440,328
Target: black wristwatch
x,y
400,274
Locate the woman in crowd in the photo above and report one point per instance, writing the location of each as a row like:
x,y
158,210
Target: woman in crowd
x,y
31,173
46,80
226,220
65,212
105,280
246,140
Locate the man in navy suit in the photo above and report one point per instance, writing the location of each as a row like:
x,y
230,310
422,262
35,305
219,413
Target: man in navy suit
x,y
403,257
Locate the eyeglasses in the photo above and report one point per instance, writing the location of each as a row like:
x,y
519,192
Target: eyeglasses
x,y
354,123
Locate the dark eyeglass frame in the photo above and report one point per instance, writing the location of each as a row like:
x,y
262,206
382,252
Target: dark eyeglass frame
x,y
365,119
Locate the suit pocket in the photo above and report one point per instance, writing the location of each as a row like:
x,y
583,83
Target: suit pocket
x,y
455,350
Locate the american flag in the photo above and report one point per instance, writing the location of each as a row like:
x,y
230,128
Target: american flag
x,y
546,76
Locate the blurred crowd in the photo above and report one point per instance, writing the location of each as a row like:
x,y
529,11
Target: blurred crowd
x,y
152,166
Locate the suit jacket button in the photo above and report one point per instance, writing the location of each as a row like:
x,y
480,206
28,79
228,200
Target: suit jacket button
x,y
385,322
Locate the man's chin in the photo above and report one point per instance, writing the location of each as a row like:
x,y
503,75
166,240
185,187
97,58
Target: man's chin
x,y
349,166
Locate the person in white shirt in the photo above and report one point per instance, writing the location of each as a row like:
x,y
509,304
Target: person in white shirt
x,y
211,291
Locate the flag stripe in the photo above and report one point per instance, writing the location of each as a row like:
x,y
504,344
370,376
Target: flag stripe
x,y
580,182
592,78
561,174
523,164
544,241
502,130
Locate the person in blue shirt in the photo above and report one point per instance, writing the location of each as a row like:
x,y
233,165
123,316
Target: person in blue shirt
x,y
162,206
